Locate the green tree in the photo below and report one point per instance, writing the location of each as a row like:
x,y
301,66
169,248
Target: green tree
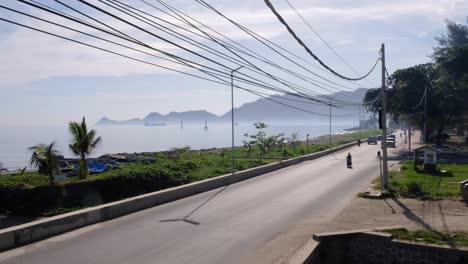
x,y
263,142
457,35
45,158
83,143
294,140
2,169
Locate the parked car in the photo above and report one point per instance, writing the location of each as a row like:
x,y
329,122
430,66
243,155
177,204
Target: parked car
x,y
372,140
391,136
390,142
379,138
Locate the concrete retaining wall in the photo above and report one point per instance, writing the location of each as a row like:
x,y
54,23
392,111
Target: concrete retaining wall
x,y
42,229
368,247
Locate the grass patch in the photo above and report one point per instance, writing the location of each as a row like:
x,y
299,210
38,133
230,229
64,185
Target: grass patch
x,y
428,185
458,239
60,210
26,179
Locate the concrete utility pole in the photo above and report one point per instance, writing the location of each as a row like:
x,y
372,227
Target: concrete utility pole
x,y
409,137
330,136
360,136
232,118
384,121
425,115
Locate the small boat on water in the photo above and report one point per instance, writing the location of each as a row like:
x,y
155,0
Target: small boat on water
x,y
155,124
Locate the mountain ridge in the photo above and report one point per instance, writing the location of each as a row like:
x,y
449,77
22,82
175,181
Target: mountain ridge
x,y
263,109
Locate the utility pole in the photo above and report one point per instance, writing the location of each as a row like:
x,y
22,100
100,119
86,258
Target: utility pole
x,y
360,136
425,114
233,170
384,121
409,137
330,136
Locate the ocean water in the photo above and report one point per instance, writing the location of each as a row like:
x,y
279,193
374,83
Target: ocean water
x,y
15,140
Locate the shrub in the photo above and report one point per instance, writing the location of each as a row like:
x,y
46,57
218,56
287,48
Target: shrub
x,y
103,189
414,189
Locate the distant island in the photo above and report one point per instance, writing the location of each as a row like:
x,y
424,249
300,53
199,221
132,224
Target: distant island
x,y
259,110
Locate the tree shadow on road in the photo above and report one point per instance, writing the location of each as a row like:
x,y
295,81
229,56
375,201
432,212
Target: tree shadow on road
x,y
186,219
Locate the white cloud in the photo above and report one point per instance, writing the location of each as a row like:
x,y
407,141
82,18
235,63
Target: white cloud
x,y
29,56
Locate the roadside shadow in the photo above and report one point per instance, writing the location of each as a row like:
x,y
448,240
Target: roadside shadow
x,y
389,205
413,217
186,219
333,155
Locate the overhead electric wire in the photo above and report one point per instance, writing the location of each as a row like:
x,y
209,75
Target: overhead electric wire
x,y
420,102
123,20
224,44
152,64
267,43
324,41
291,31
225,74
95,20
293,107
299,101
242,80
257,70
151,33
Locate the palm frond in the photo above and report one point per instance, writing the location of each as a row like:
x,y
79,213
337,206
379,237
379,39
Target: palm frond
x,y
83,125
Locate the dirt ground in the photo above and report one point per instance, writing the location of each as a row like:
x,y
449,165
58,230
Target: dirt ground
x,y
444,215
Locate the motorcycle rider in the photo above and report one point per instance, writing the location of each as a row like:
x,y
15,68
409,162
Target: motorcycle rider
x,y
349,161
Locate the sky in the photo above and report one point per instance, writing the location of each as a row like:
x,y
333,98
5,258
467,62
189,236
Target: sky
x,y
49,81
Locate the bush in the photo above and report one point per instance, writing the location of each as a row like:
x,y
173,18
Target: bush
x,y
43,199
414,189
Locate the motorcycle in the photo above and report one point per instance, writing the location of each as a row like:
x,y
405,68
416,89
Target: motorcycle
x,y
349,162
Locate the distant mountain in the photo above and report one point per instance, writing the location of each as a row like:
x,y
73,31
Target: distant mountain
x,y
261,110
188,116
269,110
109,122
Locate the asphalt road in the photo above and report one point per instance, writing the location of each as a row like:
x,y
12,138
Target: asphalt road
x,y
261,220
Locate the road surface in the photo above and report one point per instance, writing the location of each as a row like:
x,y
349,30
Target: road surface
x,y
261,220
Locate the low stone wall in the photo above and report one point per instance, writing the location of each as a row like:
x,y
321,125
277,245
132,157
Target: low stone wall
x,y
42,229
366,246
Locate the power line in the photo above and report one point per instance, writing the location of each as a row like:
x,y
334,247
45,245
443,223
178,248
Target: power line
x,y
243,61
149,63
149,32
420,102
291,31
204,47
185,64
179,16
324,41
270,45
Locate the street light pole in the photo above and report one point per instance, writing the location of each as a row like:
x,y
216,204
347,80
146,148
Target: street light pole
x,y
233,170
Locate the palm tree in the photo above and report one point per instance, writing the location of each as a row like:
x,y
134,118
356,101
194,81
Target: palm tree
x,y
83,143
45,158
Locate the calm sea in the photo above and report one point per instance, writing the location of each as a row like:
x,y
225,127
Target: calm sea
x,y
14,140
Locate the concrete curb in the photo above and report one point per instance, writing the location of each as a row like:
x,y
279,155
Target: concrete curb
x,y
38,230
